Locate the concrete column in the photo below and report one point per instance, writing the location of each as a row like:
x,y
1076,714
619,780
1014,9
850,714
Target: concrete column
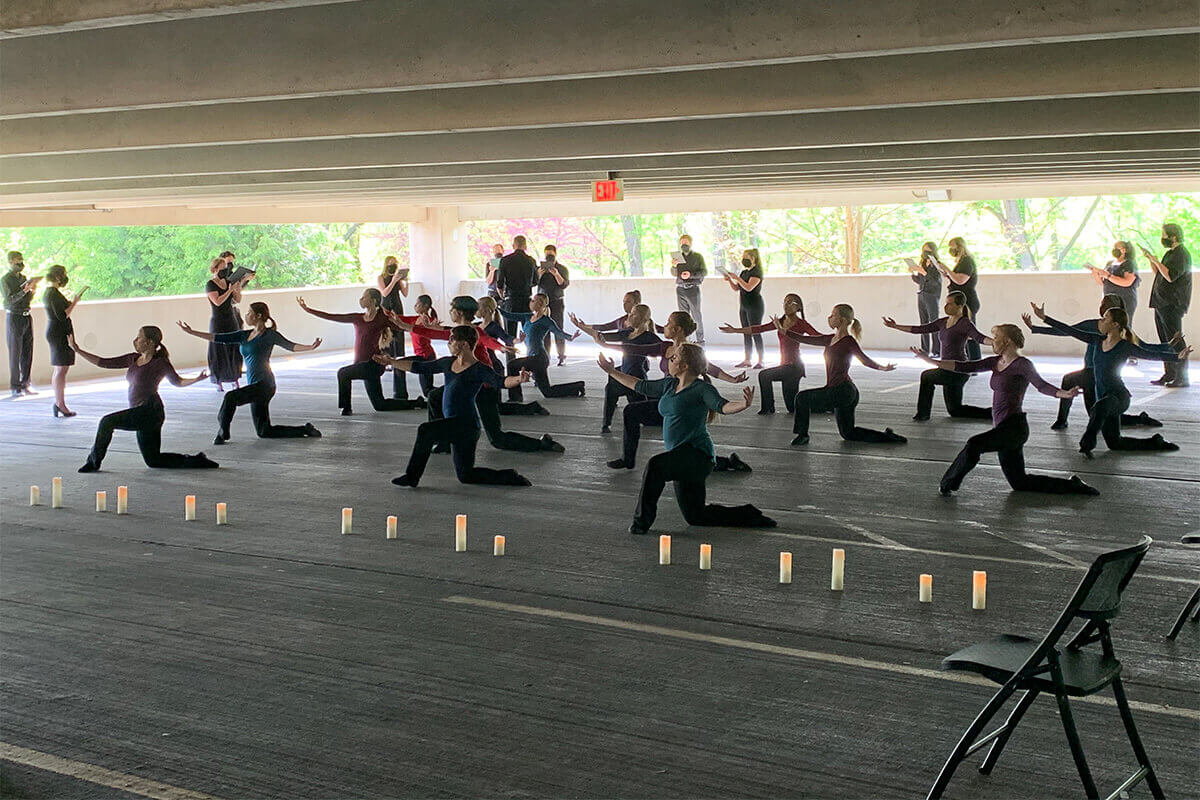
x,y
439,254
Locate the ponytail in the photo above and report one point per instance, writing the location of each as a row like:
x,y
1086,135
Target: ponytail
x,y
262,311
856,329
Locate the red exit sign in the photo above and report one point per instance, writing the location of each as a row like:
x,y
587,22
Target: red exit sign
x,y
608,191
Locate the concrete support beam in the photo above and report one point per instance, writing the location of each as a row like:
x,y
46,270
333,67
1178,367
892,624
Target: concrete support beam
x,y
439,253
478,42
40,17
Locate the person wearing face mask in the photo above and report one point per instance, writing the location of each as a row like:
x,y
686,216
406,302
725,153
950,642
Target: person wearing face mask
x,y
224,360
964,278
1170,297
689,274
552,281
929,291
748,285
17,294
393,286
1119,277
493,265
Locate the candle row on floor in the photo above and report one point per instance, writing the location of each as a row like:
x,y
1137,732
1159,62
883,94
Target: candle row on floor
x,y
56,497
460,531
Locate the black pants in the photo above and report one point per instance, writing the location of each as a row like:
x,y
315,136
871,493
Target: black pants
x,y
369,373
147,420
1105,420
789,375
1085,379
538,365
750,312
841,400
645,412
613,392
556,309
928,310
1007,440
258,396
20,350
952,384
488,404
462,435
1168,321
973,351
395,349
688,467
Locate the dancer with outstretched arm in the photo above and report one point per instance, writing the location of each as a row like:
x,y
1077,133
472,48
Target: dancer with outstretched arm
x,y
839,394
492,324
1012,374
688,404
953,332
639,332
536,325
791,366
256,345
145,368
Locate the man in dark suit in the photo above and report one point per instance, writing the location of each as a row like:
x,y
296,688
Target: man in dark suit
x,y
515,279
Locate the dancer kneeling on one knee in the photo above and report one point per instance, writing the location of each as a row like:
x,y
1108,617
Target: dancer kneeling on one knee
x,y
686,402
459,427
145,369
256,345
1011,375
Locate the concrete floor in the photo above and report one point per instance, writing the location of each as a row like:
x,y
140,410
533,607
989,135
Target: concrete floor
x,y
276,657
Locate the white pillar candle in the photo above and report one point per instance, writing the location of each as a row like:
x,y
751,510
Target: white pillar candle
x,y
56,493
978,590
392,523
785,567
837,577
222,516
189,507
706,556
664,549
498,546
347,520
102,501
122,499
926,591
460,533
35,495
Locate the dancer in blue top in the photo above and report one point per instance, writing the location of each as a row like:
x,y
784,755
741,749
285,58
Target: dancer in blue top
x,y
536,325
1115,344
256,345
687,403
465,375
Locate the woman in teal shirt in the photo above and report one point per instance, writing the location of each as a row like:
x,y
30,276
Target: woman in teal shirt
x,y
687,403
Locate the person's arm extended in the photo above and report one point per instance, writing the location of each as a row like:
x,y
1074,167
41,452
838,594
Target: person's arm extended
x,y
118,362
714,371
1159,352
516,316
628,381
928,327
1043,329
414,365
279,340
732,406
615,325
176,379
209,337
763,328
590,330
1073,332
559,333
866,360
975,333
1043,386
821,340
649,350
326,315
981,365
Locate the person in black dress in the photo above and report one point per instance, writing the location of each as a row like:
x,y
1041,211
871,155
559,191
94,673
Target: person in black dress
x,y
393,286
224,360
964,278
748,285
929,295
58,332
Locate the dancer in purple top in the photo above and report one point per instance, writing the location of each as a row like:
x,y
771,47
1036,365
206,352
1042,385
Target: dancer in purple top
x,y
953,332
1012,374
839,394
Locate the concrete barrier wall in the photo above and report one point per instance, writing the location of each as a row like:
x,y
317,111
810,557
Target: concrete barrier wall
x,y
107,327
1070,296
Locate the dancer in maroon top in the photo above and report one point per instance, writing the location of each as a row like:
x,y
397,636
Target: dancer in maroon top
x,y
369,326
839,394
791,367
1012,374
953,331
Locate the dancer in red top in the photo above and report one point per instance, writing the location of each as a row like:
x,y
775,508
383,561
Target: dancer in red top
x,y
791,366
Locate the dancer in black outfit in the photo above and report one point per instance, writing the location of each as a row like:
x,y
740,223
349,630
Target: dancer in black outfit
x,y
1085,379
492,324
953,331
58,333
965,278
687,403
224,361
18,292
464,376
1170,297
145,369
393,287
1115,344
925,275
839,394
256,345
748,285
791,366
1012,374
639,332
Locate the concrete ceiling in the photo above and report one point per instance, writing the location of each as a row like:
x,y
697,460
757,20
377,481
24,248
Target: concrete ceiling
x,y
218,110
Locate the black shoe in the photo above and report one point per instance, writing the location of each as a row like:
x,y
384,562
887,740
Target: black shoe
x,y
1082,488
58,411
894,437
920,418
88,466
582,391
619,463
945,491
606,429
441,449
551,445
522,481
422,402
346,412
762,411
540,409
799,440
1148,421
1059,425
311,430
1178,383
1086,453
737,465
1163,444
1160,381
220,439
404,480
562,360
637,529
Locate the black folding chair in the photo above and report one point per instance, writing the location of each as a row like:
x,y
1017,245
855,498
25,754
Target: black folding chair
x,y
1021,664
1193,603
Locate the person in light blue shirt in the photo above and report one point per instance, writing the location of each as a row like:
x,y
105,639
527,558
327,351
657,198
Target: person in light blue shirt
x,y
536,324
687,403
